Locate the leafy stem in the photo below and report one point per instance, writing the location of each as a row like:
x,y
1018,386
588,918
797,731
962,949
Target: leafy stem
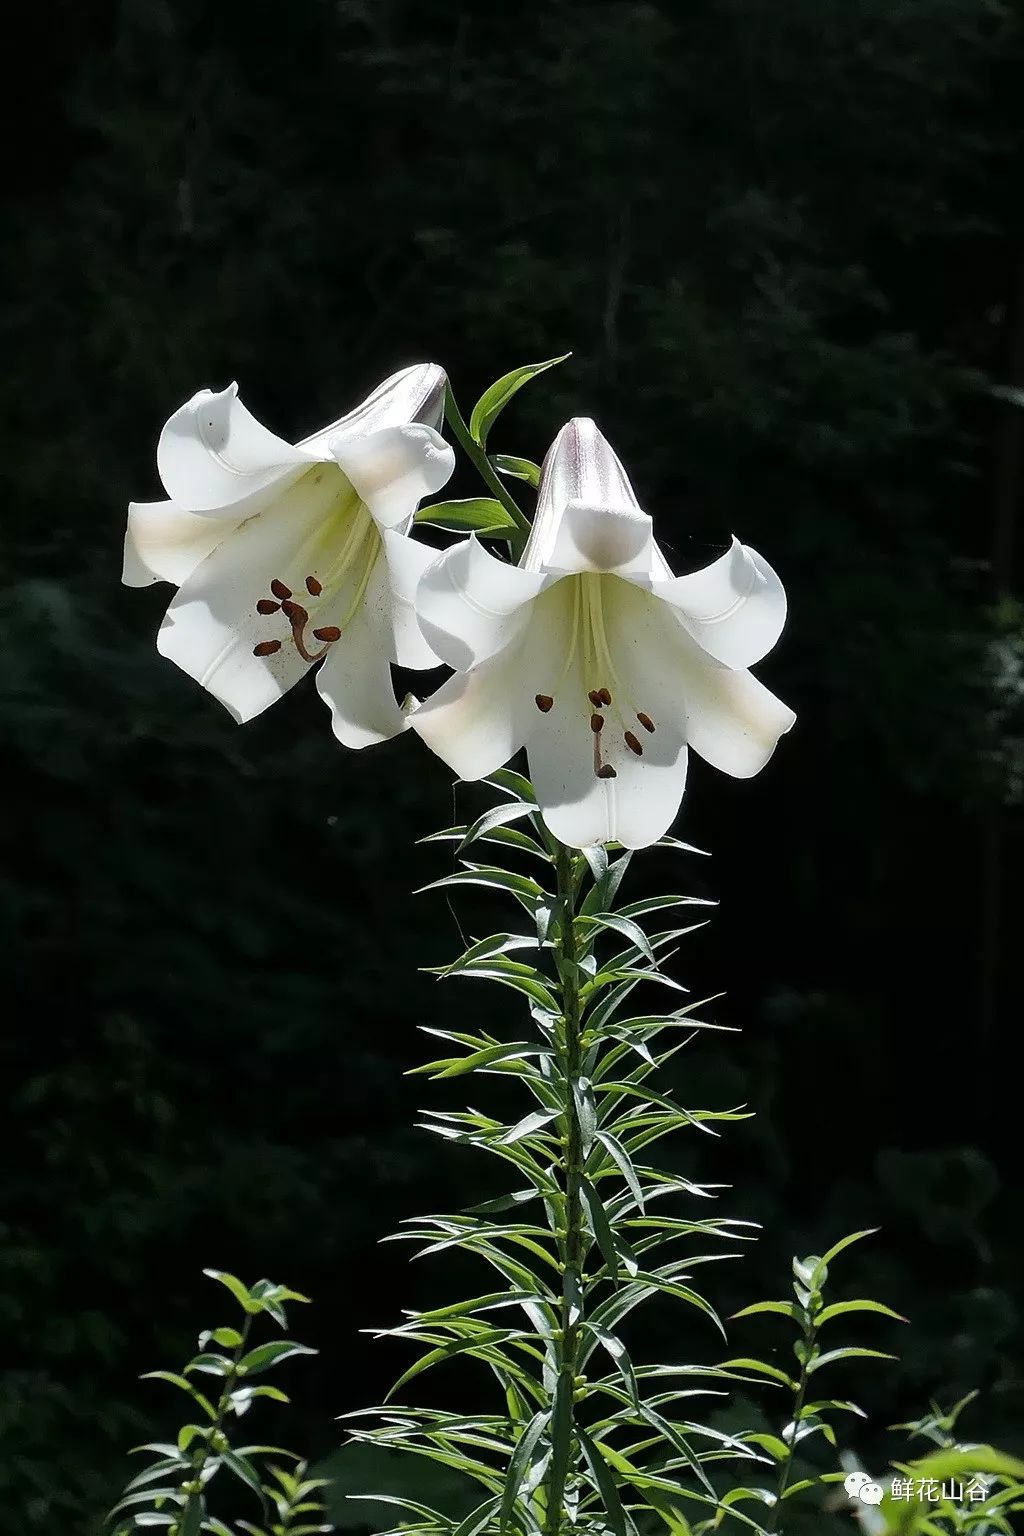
x,y
810,1334
569,1048
215,1438
485,469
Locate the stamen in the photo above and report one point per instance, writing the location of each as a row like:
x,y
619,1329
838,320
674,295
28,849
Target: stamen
x,y
606,697
544,702
313,587
602,770
595,697
329,632
633,744
294,611
267,605
266,648
645,721
279,589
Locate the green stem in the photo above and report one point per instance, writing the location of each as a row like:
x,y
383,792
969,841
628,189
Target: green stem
x,y
786,1466
487,473
571,1243
216,1429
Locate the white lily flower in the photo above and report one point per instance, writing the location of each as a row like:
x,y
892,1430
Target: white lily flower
x,y
285,555
597,659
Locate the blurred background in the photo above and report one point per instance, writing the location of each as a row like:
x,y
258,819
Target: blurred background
x,y
783,240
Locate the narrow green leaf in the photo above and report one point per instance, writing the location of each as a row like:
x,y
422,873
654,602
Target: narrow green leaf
x,y
770,1443
491,1055
844,1242
746,1363
477,514
477,1518
621,1522
534,1121
519,469
185,1385
209,1364
840,1308
561,1439
495,398
266,1355
784,1308
497,816
813,1482
227,1338
527,891
517,1467
146,1497
240,1292
849,1353
586,1112
623,1162
623,925
614,1250
512,783
244,1471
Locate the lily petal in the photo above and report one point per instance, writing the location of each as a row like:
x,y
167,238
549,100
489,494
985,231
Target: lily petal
x,y
477,720
733,721
407,560
735,608
212,625
603,538
414,394
355,679
727,716
393,469
213,454
635,808
163,543
580,466
471,605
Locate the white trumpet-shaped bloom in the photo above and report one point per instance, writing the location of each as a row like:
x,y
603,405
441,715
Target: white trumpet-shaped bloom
x,y
597,659
285,555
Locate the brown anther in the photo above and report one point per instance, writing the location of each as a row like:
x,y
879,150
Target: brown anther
x,y
596,723
313,587
606,771
543,701
633,744
267,605
328,632
606,697
645,721
595,697
279,589
266,648
294,611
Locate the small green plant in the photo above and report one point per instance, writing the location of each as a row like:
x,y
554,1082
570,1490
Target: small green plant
x,y
173,1491
808,1413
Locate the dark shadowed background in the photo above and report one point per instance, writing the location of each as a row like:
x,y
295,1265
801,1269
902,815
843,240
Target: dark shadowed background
x,y
783,240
